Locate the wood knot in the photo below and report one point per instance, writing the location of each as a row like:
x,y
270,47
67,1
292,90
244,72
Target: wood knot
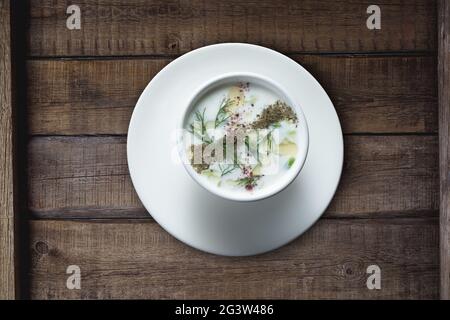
x,y
351,270
173,42
173,45
41,247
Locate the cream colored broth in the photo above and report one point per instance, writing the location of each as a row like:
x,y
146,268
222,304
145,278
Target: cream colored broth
x,y
267,154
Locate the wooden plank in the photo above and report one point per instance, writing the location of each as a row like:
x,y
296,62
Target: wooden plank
x,y
371,94
8,281
140,260
444,143
8,288
88,177
140,27
86,96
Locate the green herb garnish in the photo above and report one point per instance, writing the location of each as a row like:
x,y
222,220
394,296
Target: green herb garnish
x,y
290,162
223,113
224,170
248,182
201,132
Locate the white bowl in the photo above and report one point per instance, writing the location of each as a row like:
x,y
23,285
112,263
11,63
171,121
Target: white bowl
x,y
280,183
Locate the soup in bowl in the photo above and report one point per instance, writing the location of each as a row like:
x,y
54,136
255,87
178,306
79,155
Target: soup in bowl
x,y
244,138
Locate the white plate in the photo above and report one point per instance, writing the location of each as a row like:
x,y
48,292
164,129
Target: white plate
x,y
196,216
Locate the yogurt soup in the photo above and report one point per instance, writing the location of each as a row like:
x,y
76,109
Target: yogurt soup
x,y
241,136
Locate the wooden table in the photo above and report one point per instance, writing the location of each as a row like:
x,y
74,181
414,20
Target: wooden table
x,y
66,197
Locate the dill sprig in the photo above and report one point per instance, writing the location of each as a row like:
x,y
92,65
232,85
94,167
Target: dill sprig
x,y
201,132
223,112
200,117
248,181
227,169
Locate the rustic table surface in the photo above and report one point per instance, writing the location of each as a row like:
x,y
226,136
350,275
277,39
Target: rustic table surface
x,y
77,90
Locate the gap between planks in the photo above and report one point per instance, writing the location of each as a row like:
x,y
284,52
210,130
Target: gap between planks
x,y
387,54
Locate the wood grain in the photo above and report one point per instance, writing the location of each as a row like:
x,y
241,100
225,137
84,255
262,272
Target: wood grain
x,y
444,143
73,177
8,288
384,211
371,94
8,254
140,260
162,27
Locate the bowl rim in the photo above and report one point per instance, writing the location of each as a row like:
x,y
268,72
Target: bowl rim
x,y
271,85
